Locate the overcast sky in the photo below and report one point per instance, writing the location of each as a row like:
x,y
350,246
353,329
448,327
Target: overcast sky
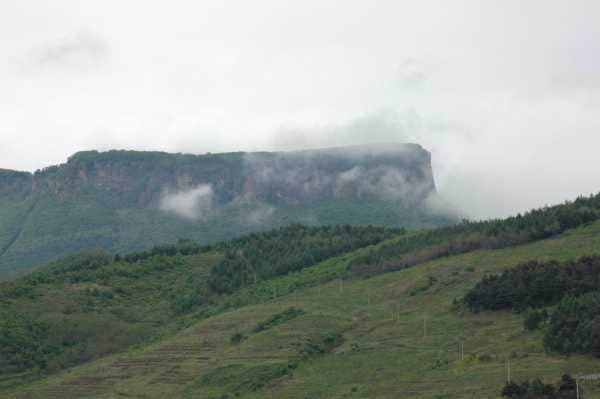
x,y
505,94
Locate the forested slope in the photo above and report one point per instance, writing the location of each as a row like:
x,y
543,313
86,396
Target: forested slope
x,y
323,329
90,304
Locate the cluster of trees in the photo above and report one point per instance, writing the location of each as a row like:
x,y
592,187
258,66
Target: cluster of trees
x,y
265,255
181,247
273,321
82,266
467,236
277,319
23,342
573,288
413,249
261,256
535,318
325,342
99,266
574,325
536,389
535,284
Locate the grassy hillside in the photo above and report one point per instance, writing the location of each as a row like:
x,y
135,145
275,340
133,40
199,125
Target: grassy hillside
x,y
321,333
91,304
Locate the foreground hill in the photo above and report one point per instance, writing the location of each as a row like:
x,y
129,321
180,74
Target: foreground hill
x,y
381,317
125,201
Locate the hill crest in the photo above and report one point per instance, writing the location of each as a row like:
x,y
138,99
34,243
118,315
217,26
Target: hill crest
x,y
125,201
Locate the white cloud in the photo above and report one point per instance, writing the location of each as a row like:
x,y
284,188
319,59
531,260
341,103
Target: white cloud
x,y
79,51
193,203
383,182
260,215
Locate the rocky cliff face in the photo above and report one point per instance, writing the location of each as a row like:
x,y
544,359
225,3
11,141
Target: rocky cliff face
x,y
116,199
14,185
393,172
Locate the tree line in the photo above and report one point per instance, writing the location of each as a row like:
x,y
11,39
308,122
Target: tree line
x,y
535,284
262,256
566,388
467,236
571,290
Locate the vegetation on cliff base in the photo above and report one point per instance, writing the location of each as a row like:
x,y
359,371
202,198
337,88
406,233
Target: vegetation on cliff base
x,y
534,225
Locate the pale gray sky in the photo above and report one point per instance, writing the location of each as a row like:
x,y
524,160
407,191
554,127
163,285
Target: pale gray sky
x,y
505,94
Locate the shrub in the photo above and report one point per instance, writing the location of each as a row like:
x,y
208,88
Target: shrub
x,y
536,389
279,318
534,318
575,325
23,342
237,338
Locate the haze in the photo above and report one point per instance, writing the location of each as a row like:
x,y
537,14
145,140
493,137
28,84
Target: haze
x,y
504,94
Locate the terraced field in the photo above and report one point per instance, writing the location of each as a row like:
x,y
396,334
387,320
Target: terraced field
x,y
389,336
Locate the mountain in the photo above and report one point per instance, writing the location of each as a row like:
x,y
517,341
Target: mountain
x,y
125,201
319,312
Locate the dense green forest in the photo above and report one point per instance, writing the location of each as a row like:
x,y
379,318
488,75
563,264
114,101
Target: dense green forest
x,y
267,255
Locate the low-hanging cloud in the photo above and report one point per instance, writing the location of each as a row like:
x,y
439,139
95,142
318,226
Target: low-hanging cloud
x,y
402,172
194,203
81,50
383,126
383,182
262,214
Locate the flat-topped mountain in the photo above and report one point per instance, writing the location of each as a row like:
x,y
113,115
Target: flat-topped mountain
x,y
129,200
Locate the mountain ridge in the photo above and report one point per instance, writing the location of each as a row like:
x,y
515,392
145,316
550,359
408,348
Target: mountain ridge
x,y
124,201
